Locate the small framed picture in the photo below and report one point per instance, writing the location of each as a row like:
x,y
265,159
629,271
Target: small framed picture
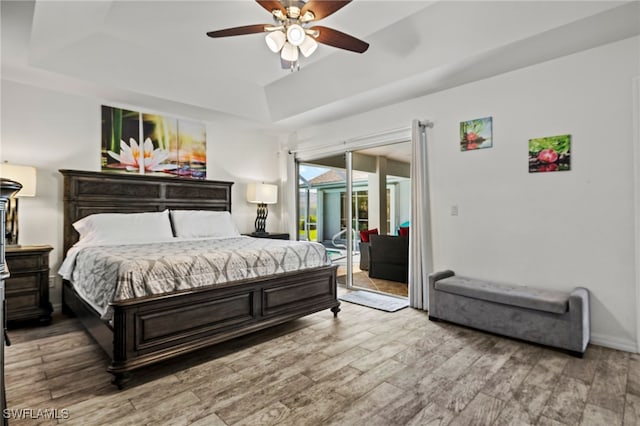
x,y
550,154
476,134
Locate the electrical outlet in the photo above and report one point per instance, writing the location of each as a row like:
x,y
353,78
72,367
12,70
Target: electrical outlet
x,y
53,279
454,210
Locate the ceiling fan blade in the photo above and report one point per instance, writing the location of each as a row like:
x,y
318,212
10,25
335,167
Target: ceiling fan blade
x,y
271,5
247,29
323,8
339,39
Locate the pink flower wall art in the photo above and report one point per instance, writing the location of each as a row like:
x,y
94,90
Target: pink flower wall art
x,y
550,154
476,134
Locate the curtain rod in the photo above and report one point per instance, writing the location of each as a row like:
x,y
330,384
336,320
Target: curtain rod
x,y
351,141
403,134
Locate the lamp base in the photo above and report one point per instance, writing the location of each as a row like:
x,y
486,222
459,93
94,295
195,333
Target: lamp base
x,y
11,223
261,219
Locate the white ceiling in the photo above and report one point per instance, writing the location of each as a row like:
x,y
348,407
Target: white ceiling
x,y
156,55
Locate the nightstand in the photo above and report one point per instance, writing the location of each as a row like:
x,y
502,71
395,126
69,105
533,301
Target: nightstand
x,y
27,288
271,236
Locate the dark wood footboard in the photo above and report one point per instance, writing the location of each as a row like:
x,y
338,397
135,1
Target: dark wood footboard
x,y
149,330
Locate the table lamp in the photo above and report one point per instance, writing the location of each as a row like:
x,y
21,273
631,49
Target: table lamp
x,y
262,194
26,176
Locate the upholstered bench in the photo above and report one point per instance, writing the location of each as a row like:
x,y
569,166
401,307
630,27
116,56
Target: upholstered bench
x,y
548,317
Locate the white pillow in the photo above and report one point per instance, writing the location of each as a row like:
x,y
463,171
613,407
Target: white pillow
x,y
203,223
124,227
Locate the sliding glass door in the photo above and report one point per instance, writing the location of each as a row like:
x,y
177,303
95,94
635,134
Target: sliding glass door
x,y
365,190
381,204
322,212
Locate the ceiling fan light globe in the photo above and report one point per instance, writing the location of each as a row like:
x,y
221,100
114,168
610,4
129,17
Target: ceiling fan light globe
x,y
307,17
308,46
295,34
289,52
293,12
275,40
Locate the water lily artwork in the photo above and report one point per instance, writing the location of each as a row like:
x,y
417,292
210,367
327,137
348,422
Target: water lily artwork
x,y
135,142
476,134
550,154
144,157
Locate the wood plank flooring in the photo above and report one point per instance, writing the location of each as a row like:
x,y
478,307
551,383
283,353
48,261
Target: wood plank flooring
x,y
366,367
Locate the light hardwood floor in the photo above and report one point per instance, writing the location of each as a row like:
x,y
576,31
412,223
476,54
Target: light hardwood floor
x,y
366,367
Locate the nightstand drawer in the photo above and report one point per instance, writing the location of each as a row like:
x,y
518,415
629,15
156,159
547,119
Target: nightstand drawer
x,y
18,303
21,283
28,263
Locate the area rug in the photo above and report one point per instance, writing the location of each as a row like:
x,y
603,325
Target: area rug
x,y
375,300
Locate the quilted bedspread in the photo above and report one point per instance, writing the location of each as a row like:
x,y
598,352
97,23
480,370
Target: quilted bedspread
x,y
110,273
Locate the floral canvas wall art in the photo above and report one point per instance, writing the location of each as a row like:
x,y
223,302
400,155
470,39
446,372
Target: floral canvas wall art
x,y
192,149
476,134
135,142
550,154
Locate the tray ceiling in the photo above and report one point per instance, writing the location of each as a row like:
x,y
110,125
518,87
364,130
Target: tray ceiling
x,y
155,54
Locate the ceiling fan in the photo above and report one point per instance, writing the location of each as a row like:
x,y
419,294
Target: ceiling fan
x,y
292,30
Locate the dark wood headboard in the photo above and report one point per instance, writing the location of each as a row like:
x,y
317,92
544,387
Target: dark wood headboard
x,y
87,193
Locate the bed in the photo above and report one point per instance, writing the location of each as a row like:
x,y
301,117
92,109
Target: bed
x,y
146,330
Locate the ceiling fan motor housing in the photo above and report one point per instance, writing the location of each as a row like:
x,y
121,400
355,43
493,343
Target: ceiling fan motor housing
x,y
295,3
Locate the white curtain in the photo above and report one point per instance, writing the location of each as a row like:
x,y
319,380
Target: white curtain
x,y
420,246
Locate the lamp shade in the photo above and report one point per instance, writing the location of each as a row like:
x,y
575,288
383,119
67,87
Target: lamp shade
x,y
289,52
275,40
24,175
308,46
262,193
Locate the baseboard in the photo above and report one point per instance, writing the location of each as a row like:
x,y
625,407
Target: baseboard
x,y
614,342
57,307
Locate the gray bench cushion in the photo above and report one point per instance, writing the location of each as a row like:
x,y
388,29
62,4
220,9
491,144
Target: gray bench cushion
x,y
524,297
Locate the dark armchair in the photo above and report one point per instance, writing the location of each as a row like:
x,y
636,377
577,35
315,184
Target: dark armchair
x,y
364,256
364,247
389,257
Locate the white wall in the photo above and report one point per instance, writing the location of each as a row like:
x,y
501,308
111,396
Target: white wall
x,y
553,230
52,130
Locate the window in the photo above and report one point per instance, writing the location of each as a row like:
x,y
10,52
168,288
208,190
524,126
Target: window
x,y
360,206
